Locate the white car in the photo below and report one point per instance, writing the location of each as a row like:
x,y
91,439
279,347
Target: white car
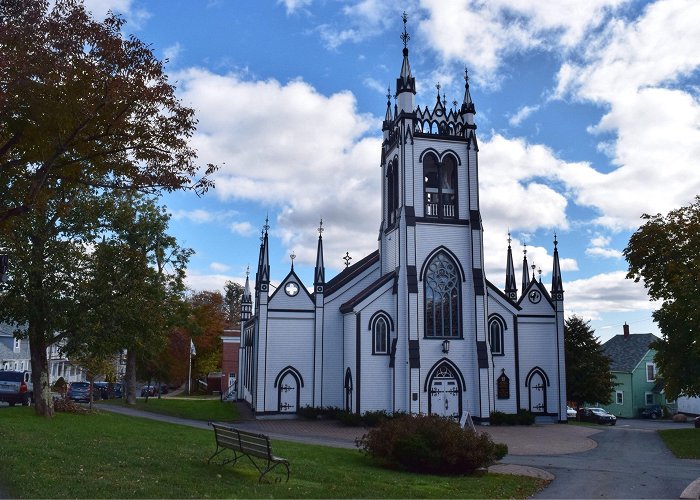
x,y
570,412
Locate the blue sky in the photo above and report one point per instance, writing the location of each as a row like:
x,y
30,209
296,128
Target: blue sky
x,y
587,112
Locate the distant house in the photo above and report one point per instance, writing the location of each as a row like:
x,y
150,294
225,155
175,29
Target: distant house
x,y
229,363
14,353
632,364
689,405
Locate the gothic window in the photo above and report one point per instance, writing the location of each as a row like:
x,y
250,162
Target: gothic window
x,y
440,186
380,334
392,191
442,298
496,336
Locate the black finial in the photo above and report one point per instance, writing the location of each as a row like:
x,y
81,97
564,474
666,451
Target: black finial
x,y
454,103
509,240
247,271
466,76
539,271
266,227
555,240
438,89
524,248
388,95
320,227
444,100
262,235
292,256
405,36
347,259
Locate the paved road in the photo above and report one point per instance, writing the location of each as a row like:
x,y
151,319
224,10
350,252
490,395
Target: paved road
x,y
630,461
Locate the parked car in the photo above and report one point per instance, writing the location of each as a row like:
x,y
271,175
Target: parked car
x,y
153,390
16,387
597,415
653,412
570,412
80,392
697,422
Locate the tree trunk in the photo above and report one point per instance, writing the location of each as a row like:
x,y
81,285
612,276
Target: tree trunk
x,y
130,377
43,400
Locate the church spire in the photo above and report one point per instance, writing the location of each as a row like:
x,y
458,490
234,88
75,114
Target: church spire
x,y
405,83
557,287
246,300
320,272
264,265
526,271
511,290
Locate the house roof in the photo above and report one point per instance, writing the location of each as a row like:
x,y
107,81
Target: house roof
x,y
625,352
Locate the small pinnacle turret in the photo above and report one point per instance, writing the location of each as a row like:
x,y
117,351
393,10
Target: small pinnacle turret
x,y
320,271
405,83
526,271
557,287
511,289
246,302
468,109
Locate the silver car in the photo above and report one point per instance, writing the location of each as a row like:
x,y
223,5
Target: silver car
x,y
15,387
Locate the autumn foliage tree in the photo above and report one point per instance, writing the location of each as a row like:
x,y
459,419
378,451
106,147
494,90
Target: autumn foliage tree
x,y
84,113
207,322
664,254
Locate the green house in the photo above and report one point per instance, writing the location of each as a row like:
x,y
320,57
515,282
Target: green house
x,y
632,364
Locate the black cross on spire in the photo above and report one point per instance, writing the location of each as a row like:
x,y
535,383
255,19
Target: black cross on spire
x,y
347,259
405,36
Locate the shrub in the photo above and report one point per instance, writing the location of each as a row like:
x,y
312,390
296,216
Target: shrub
x,y
60,386
309,412
374,418
523,417
430,445
349,419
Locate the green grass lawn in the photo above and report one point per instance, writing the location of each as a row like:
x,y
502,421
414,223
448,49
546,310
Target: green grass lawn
x,y
684,443
192,408
106,455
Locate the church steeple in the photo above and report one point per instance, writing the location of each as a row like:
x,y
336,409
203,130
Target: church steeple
x,y
405,83
526,271
557,287
511,289
320,271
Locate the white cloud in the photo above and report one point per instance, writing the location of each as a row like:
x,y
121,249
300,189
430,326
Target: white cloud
x,y
135,17
599,248
201,216
243,228
482,33
219,267
293,6
171,53
267,156
522,114
592,297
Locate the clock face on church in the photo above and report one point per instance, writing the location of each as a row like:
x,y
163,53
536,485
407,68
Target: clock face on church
x,y
534,296
291,289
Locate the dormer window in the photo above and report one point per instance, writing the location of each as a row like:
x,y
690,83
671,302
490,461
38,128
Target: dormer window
x,y
440,186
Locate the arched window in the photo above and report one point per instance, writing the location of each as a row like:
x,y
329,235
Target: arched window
x,y
443,316
380,335
496,336
440,186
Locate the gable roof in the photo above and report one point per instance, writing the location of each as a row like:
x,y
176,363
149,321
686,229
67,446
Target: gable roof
x,y
349,273
371,288
626,352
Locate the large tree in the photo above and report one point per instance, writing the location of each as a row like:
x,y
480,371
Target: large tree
x,y
588,376
84,114
80,104
664,254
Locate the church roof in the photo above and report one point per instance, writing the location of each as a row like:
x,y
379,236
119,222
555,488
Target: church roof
x,y
626,351
369,290
351,272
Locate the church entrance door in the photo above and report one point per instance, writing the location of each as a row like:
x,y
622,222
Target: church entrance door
x,y
444,394
288,394
538,393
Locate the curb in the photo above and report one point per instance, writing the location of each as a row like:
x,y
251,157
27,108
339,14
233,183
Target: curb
x,y
692,491
521,470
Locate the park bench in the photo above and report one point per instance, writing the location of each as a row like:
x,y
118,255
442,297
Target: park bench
x,y
247,444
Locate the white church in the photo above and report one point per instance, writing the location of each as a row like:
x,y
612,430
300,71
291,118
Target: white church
x,y
415,326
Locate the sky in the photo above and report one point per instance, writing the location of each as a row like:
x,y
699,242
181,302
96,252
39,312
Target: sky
x,y
588,116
